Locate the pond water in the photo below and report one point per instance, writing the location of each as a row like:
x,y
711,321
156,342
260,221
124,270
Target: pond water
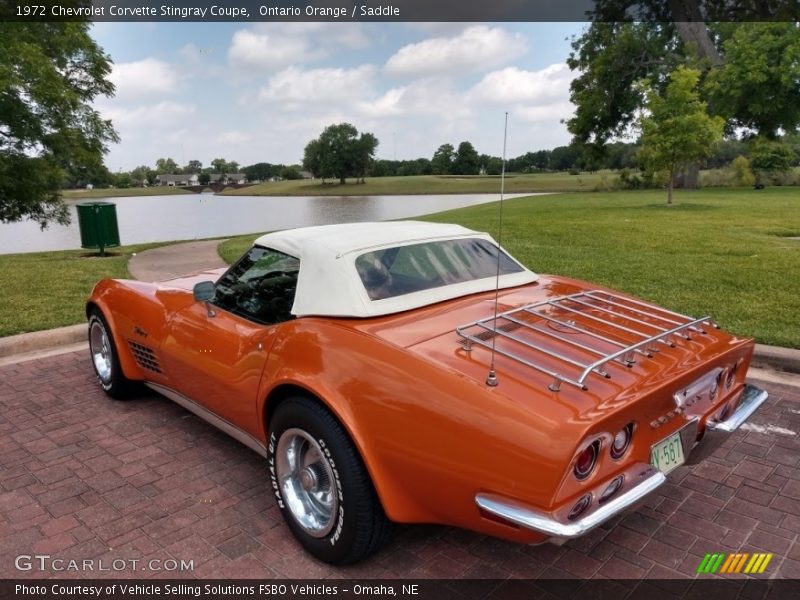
x,y
192,216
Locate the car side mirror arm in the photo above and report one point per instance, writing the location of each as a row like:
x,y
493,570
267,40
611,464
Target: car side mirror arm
x,y
203,292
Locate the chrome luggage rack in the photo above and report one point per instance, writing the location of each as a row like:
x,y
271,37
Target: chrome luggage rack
x,y
509,333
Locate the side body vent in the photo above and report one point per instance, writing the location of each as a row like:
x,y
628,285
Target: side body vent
x,y
145,357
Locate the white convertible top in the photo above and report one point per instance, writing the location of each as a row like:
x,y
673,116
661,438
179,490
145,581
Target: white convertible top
x,y
328,283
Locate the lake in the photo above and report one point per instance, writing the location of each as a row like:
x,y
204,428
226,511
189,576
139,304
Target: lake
x,y
195,216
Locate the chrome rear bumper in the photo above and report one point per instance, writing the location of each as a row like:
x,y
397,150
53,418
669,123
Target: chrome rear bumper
x,y
752,398
524,516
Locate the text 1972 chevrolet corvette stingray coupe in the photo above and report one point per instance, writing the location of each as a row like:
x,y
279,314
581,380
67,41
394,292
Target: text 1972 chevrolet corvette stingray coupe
x,y
415,372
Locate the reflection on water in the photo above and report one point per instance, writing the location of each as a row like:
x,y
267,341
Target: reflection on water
x,y
186,217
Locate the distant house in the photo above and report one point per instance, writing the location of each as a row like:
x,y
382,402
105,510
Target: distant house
x,y
306,175
177,180
226,178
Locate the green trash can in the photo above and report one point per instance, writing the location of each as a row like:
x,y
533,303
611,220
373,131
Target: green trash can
x,y
97,222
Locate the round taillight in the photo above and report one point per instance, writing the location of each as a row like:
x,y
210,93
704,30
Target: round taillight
x,y
586,461
731,377
612,488
622,441
580,507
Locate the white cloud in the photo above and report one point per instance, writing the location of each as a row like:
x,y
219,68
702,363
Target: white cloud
x,y
143,78
250,49
298,87
151,115
474,49
514,85
422,97
275,46
234,137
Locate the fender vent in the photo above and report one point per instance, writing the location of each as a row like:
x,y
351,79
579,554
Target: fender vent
x,y
145,357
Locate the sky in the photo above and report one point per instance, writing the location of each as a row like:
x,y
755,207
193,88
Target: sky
x,y
260,92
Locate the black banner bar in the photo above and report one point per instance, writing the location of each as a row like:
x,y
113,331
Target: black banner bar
x,y
417,589
399,10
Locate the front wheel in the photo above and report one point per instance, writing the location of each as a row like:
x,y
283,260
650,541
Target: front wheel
x,y
104,358
321,485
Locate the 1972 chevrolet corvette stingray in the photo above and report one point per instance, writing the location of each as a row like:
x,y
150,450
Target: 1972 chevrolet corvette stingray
x,y
414,372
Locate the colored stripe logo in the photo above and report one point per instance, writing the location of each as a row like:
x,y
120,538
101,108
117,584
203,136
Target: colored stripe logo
x,y
738,562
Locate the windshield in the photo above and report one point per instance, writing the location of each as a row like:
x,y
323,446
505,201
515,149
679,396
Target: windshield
x,y
405,269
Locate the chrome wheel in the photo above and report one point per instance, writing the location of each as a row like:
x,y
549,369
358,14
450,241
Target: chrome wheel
x,y
307,482
100,348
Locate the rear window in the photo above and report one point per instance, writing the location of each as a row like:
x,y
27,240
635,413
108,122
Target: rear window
x,y
402,270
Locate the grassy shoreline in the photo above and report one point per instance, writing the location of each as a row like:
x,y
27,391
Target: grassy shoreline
x,y
433,184
164,190
725,252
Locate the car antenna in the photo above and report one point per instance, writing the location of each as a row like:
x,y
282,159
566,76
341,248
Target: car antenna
x,y
491,378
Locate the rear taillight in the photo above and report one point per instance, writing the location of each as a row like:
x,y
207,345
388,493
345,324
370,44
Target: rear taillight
x,y
622,441
586,460
613,488
580,507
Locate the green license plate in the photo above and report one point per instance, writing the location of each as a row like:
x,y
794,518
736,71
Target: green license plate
x,y
667,454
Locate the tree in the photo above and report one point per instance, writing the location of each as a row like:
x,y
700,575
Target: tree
x,y
220,165
340,152
193,166
769,158
466,161
364,151
50,73
677,130
313,160
167,166
140,175
204,178
750,77
291,172
494,166
260,172
442,161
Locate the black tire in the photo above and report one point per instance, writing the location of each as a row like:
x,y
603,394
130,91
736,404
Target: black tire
x,y
358,525
114,383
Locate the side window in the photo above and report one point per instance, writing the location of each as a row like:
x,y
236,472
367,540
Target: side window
x,y
260,287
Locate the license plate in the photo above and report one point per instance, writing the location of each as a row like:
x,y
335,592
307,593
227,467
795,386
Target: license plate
x,y
667,454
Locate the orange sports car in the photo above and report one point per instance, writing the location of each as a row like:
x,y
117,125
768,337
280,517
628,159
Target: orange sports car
x,y
415,372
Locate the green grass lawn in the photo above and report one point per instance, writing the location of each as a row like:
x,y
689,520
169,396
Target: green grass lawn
x,y
724,252
433,184
43,290
163,190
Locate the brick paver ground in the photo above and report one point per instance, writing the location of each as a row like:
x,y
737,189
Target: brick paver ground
x,y
84,477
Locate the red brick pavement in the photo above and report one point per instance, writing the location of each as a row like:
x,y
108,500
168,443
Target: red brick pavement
x,y
84,477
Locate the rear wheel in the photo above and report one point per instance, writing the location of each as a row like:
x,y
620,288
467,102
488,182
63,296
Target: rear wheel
x,y
105,360
321,485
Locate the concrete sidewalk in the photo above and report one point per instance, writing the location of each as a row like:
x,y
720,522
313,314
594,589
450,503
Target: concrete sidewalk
x,y
168,262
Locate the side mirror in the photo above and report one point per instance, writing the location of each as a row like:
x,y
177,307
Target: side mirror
x,y
204,291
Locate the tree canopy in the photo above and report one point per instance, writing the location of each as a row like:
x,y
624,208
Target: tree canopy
x,y
340,152
750,72
676,130
49,75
